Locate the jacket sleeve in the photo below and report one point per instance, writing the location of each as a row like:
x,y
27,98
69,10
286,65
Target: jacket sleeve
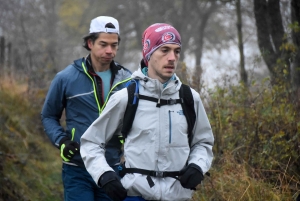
x,y
52,110
93,141
203,139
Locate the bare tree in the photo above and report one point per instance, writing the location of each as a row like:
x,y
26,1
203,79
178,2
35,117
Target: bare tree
x,y
295,7
47,35
243,73
31,28
270,35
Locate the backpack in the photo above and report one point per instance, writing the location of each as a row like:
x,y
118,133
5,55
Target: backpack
x,y
185,99
187,102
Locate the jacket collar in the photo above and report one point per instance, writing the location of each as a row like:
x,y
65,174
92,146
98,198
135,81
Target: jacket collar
x,y
153,86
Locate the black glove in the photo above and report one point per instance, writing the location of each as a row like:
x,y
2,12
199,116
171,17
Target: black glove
x,y
191,177
112,186
298,197
68,148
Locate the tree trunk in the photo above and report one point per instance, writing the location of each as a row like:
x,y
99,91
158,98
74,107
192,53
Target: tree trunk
x,y
9,66
263,34
270,35
28,54
2,51
243,73
199,39
295,7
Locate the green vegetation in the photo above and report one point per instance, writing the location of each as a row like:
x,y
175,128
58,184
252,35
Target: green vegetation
x,y
30,167
257,136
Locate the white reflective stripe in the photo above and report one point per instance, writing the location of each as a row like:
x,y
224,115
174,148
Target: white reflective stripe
x,y
69,163
80,95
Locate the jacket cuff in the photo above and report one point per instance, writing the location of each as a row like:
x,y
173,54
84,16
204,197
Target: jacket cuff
x,y
106,178
193,165
62,141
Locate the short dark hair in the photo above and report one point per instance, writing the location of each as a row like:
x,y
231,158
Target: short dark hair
x,y
93,37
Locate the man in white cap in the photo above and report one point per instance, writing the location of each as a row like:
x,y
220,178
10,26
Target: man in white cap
x,y
163,159
82,89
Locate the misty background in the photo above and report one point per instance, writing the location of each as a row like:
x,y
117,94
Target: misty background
x,y
43,36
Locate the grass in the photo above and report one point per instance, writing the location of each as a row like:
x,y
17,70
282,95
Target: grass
x,y
231,181
30,166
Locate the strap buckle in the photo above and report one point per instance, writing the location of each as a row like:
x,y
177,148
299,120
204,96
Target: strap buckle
x,y
159,174
171,102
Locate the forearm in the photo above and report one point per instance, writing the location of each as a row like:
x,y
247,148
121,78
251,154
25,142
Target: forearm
x,y
201,155
53,129
202,140
94,140
93,156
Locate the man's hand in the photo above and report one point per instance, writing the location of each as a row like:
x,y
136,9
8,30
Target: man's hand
x,y
112,186
192,176
68,149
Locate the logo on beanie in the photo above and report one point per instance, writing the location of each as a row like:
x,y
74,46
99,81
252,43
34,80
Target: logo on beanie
x,y
169,36
146,45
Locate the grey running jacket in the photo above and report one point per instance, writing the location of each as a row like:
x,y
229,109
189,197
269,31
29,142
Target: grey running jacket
x,y
157,141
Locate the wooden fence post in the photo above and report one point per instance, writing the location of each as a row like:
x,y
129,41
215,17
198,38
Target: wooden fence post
x,y
2,50
9,55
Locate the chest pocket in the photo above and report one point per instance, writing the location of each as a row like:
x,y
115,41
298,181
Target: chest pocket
x,y
177,127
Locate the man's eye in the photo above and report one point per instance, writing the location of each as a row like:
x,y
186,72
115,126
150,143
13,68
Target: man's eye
x,y
164,50
177,51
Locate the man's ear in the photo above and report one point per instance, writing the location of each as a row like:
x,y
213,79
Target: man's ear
x,y
90,43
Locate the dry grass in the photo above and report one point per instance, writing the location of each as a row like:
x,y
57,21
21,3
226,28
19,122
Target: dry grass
x,y
8,84
30,168
233,181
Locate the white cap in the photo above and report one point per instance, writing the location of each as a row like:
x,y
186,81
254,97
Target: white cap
x,y
98,25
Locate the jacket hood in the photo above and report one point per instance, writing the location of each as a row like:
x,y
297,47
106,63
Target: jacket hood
x,y
78,64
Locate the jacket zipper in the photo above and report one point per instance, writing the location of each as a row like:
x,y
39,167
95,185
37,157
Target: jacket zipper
x,y
106,100
170,126
73,134
100,109
94,87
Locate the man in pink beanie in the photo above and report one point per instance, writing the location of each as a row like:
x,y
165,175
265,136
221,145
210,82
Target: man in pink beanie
x,y
164,160
156,36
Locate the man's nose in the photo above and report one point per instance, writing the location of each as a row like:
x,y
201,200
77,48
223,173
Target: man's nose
x,y
109,49
172,56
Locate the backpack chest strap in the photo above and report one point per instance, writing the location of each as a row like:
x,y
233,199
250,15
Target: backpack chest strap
x,y
161,102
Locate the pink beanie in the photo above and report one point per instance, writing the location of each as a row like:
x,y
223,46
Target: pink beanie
x,y
157,35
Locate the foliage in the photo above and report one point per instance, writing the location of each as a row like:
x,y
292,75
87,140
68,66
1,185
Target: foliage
x,y
71,14
260,129
182,73
229,180
29,165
